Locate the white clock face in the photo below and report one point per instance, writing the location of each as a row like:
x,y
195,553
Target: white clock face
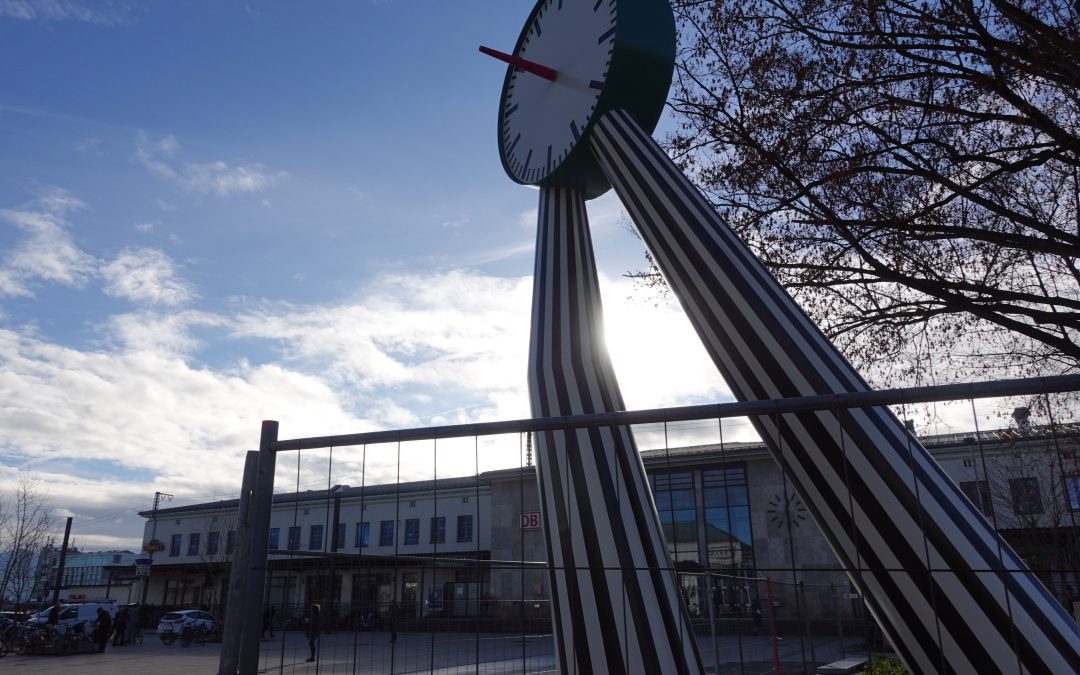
x,y
542,120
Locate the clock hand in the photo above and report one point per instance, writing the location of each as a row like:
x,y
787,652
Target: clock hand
x,y
528,66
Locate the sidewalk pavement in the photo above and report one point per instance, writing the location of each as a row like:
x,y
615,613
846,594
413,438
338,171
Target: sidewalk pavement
x,y
370,653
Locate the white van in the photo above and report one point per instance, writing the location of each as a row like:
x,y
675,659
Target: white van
x,y
69,616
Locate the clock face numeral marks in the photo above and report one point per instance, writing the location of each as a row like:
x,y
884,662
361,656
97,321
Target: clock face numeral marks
x,y
544,118
781,511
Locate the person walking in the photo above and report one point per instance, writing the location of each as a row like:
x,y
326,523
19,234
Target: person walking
x,y
314,627
120,631
103,630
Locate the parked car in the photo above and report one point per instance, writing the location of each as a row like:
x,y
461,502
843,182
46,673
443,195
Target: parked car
x,y
175,622
70,615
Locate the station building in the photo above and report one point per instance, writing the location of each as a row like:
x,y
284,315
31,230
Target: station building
x,y
458,549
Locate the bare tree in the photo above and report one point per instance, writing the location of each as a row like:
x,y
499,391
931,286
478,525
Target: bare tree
x,y
910,171
25,527
215,555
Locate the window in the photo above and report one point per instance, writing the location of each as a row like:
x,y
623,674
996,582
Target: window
x,y
275,534
386,533
412,502
174,545
438,530
294,538
979,494
193,544
315,538
1026,497
412,531
1072,491
339,537
213,541
464,529
362,535
230,542
676,504
464,500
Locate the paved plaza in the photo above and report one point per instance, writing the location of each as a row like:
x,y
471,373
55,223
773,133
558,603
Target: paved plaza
x,y
372,653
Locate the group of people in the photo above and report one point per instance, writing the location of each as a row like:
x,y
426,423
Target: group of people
x,y
118,629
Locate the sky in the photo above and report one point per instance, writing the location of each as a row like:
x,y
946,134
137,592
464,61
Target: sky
x,y
216,213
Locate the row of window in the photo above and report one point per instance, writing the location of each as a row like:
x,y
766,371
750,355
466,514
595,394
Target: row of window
x,y
213,543
362,532
1025,494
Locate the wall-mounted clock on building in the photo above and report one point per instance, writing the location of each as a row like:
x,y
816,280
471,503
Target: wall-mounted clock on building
x,y
779,513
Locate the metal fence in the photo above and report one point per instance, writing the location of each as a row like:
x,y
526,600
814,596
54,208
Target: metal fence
x,y
470,593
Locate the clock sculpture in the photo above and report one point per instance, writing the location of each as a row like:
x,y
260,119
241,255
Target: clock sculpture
x,y
585,85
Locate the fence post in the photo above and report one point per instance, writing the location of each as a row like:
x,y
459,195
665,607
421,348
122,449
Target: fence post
x,y
262,499
234,615
772,626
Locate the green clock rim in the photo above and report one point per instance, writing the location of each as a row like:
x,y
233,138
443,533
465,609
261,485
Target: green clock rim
x,y
638,80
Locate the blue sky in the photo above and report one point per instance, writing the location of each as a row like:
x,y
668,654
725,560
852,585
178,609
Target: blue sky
x,y
216,213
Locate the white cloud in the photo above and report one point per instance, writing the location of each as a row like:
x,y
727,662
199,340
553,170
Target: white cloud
x,y
145,227
61,10
216,177
456,223
159,332
47,252
145,275
409,350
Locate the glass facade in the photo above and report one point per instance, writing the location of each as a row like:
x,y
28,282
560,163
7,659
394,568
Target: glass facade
x,y
705,515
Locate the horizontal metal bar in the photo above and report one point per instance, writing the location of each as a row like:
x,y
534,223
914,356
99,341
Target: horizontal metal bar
x,y
944,392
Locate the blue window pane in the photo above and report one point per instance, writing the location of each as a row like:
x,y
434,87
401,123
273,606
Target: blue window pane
x,y
315,538
294,538
275,533
386,533
174,545
438,530
412,531
362,534
464,529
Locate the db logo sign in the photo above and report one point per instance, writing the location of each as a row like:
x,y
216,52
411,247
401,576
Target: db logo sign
x,y
530,521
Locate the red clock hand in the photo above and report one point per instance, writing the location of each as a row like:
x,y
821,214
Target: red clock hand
x,y
518,62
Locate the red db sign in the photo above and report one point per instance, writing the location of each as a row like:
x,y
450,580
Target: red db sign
x,y
530,520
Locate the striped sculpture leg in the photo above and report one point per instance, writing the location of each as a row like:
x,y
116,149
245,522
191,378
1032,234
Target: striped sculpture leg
x,y
615,601
952,596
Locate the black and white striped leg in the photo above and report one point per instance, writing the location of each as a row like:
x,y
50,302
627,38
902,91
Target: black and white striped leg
x,y
952,596
615,602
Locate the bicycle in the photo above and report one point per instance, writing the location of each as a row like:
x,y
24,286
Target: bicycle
x,y
196,634
137,636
